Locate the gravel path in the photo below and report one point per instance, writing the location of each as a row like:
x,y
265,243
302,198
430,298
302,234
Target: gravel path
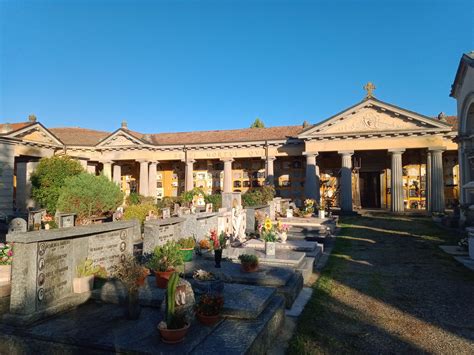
x,y
388,288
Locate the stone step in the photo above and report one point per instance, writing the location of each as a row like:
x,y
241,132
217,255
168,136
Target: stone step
x,y
306,268
96,328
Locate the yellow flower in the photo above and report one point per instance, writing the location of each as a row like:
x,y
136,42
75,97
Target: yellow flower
x,y
268,225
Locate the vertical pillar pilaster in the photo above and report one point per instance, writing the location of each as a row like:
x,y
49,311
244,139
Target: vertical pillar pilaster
x,y
143,187
346,181
437,180
269,170
152,179
396,182
117,174
107,170
311,185
188,172
227,174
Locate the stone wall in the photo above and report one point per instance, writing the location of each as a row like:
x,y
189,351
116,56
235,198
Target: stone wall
x,y
45,264
251,221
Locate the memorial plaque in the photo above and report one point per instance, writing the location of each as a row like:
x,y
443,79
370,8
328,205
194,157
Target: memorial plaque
x,y
54,272
34,220
109,249
289,213
17,225
209,207
166,213
165,233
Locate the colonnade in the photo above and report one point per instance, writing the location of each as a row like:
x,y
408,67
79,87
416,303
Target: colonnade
x,y
434,177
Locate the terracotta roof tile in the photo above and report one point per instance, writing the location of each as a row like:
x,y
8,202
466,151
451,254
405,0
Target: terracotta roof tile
x,y
452,121
6,128
79,136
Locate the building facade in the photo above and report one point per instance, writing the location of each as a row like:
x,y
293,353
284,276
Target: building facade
x,y
371,155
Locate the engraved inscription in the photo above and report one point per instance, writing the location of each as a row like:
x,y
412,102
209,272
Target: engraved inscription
x,y
165,233
108,249
54,272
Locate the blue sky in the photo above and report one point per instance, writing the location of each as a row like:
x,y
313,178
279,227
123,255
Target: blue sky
x,y
196,65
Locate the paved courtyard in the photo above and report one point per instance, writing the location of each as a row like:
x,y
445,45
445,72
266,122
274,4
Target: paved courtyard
x,y
388,288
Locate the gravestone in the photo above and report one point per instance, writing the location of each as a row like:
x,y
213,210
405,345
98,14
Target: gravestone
x,y
166,212
209,207
46,260
65,220
231,199
159,232
34,219
17,225
176,209
182,211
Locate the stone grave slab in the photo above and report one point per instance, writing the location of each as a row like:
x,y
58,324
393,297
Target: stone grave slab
x,y
89,327
17,225
296,245
158,232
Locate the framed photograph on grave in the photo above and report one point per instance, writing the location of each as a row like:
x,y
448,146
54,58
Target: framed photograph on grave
x,y
166,212
209,207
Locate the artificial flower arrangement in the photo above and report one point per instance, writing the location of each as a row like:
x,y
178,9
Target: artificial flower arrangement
x,y
267,231
217,242
309,205
282,227
6,253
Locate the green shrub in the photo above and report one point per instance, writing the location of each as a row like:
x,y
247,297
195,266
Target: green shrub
x,y
137,199
187,243
165,257
139,212
258,196
215,199
188,196
248,259
167,202
88,195
49,177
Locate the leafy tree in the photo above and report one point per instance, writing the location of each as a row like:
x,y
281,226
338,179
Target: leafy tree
x,y
88,195
258,123
48,179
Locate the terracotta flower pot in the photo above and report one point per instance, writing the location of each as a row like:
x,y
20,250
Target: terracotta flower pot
x,y
307,215
249,267
208,320
162,278
83,284
173,336
5,273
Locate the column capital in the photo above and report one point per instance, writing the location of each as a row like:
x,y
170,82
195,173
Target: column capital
x,y
345,152
188,161
226,160
436,149
142,161
311,154
106,162
154,162
269,158
396,151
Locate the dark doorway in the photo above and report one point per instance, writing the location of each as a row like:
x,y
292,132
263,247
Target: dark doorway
x,y
369,189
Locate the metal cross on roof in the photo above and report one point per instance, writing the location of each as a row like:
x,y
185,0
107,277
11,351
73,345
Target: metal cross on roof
x,y
369,87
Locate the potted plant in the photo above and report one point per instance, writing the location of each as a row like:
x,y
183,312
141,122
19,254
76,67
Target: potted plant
x,y
207,282
84,280
248,262
209,308
163,261
283,229
218,242
268,234
187,248
174,328
6,257
308,209
132,275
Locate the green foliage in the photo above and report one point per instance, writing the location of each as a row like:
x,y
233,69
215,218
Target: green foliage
x,y
188,196
166,257
129,272
49,177
172,321
258,123
86,268
258,196
139,212
248,259
137,199
215,199
88,195
167,202
187,243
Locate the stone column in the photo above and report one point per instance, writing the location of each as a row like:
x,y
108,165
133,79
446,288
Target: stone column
x,y
269,171
152,179
143,183
188,172
23,185
117,174
437,180
346,181
91,169
7,163
107,170
311,184
396,181
227,174
83,163
428,181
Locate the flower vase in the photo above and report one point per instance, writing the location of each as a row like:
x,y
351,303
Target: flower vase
x,y
132,304
270,248
283,237
322,214
218,257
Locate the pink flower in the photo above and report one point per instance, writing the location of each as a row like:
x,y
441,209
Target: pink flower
x,y
10,253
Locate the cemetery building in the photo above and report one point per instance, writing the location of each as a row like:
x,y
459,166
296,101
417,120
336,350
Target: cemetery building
x,y
463,91
371,155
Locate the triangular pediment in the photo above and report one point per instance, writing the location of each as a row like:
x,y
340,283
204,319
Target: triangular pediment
x,y
375,117
120,138
36,133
